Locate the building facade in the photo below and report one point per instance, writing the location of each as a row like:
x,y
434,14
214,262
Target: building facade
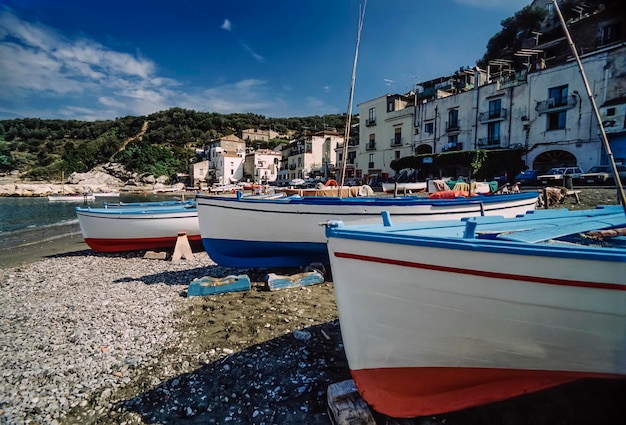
x,y
310,156
543,111
261,166
225,157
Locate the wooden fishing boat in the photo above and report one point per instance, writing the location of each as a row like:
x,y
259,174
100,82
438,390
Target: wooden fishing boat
x,y
443,316
284,232
80,197
139,228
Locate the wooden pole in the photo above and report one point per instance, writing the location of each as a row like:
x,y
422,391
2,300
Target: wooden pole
x,y
605,140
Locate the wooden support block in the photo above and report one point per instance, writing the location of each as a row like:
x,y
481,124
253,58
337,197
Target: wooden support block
x,y
182,249
574,193
346,406
153,255
215,285
275,282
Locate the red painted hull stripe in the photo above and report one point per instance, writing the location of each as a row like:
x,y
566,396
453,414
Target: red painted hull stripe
x,y
421,391
483,273
136,244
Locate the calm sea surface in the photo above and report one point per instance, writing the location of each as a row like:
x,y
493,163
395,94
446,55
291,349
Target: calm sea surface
x,y
24,221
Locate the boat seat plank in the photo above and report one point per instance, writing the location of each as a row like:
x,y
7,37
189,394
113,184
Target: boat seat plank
x,y
557,230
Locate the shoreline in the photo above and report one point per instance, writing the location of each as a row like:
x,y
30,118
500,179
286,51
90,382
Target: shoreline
x,y
101,338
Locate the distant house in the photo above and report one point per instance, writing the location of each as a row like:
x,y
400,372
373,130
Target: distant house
x,y
225,157
198,173
255,134
310,156
262,166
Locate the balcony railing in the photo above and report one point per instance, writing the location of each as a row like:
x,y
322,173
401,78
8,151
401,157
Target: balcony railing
x,y
452,147
396,141
370,165
488,143
556,104
369,123
453,126
498,115
371,146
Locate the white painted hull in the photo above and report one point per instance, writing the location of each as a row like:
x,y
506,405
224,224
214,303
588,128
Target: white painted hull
x,y
118,229
404,187
286,232
72,198
483,323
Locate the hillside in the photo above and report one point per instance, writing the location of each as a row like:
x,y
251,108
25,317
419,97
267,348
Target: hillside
x,y
162,143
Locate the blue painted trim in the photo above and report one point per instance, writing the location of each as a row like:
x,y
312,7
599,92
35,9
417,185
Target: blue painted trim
x,y
236,253
383,201
480,245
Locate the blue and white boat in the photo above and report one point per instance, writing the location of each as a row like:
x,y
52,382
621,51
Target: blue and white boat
x,y
284,232
442,316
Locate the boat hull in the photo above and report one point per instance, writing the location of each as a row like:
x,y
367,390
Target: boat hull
x,y
285,232
432,325
127,229
72,198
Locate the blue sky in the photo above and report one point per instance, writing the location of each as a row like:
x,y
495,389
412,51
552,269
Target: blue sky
x,y
103,59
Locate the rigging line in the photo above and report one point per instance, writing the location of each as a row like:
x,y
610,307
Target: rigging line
x,y
605,140
346,134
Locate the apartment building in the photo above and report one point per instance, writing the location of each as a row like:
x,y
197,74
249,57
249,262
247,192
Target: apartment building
x,y
261,166
225,158
309,156
543,111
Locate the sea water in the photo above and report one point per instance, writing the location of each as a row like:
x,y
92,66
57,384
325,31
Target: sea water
x,y
28,220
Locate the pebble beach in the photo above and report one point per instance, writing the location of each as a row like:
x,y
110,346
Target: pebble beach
x,y
90,338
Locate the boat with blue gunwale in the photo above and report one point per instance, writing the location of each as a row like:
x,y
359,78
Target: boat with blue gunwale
x,y
284,232
443,316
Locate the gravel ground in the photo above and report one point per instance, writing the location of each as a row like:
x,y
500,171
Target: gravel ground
x,y
91,338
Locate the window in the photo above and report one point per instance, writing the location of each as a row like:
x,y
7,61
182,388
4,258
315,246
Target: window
x,y
428,128
556,120
610,33
397,137
495,108
453,119
397,154
493,133
557,96
371,160
372,143
610,112
371,120
390,106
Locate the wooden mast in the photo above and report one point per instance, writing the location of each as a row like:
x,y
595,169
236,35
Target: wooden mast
x,y
346,134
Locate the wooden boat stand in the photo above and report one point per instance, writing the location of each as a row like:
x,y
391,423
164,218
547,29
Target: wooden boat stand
x,y
182,248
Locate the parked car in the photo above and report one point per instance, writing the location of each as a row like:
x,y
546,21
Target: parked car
x,y
555,176
603,174
527,177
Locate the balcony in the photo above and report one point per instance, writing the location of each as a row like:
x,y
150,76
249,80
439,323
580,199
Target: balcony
x,y
396,141
371,146
491,116
452,147
556,104
489,143
370,122
454,126
370,165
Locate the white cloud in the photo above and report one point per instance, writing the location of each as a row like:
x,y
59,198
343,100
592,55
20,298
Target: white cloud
x,y
255,55
36,60
227,25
